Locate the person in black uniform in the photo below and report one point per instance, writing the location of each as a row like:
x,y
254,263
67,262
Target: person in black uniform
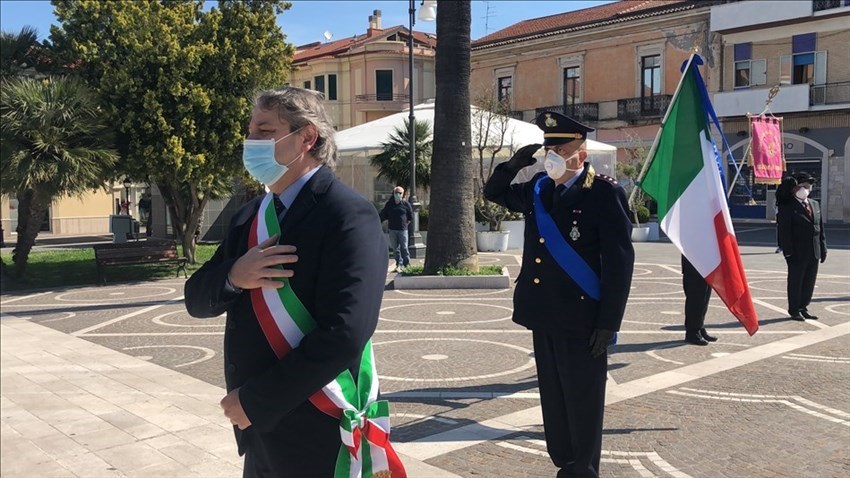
x,y
697,295
803,243
572,289
338,275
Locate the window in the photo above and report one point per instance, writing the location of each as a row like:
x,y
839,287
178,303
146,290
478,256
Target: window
x,y
651,74
750,73
384,85
306,85
332,87
505,87
319,81
802,68
572,86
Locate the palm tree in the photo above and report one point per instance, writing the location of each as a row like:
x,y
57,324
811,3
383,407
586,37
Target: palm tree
x,y
393,163
17,51
55,142
451,231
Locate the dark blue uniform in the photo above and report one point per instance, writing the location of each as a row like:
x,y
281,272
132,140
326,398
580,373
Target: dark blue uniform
x,y
592,215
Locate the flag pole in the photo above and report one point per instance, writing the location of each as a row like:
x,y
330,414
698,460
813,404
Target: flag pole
x,y
646,162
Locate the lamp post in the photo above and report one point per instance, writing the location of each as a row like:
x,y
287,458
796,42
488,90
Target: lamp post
x,y
127,184
427,13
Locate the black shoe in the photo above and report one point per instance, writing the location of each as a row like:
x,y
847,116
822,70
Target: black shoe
x,y
709,338
695,338
806,314
798,317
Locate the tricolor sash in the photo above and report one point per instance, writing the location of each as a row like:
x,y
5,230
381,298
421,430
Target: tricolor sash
x,y
285,321
566,257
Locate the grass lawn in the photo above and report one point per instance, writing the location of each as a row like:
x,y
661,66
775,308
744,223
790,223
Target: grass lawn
x,y
454,271
70,267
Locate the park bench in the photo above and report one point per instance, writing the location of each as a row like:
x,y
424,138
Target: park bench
x,y
140,252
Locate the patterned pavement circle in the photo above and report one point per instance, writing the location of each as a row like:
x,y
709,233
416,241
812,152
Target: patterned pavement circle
x,y
453,361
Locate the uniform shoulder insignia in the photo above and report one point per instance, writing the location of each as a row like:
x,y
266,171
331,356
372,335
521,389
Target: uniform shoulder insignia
x,y
607,179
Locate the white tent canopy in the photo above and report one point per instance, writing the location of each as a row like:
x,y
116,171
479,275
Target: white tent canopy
x,y
356,144
369,136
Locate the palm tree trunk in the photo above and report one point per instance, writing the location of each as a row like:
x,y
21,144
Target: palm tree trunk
x,y
31,208
451,231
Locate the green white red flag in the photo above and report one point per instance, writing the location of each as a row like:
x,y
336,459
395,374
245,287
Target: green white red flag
x,y
684,179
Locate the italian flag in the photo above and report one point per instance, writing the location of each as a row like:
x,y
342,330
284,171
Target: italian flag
x,y
683,177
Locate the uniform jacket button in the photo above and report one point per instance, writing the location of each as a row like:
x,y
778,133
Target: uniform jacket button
x,y
231,368
582,297
542,240
536,280
537,260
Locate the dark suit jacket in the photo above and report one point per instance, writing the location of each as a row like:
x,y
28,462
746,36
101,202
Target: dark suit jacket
x,y
546,298
340,277
801,236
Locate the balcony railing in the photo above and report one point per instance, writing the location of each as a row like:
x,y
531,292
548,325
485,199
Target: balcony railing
x,y
578,111
645,107
819,5
381,97
515,114
829,93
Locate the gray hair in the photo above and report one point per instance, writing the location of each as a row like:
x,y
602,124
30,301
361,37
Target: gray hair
x,y
299,108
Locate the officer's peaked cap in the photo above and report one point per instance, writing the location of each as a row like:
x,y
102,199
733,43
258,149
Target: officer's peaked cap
x,y
560,129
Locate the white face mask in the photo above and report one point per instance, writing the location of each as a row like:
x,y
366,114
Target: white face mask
x,y
556,165
258,158
802,193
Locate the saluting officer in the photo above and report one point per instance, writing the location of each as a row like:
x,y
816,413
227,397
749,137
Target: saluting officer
x,y
571,292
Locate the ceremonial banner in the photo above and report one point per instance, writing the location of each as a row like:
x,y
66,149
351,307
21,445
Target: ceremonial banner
x,y
766,155
683,176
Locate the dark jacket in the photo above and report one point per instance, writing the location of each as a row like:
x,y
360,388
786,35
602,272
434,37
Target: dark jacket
x,y
339,277
397,214
546,298
801,236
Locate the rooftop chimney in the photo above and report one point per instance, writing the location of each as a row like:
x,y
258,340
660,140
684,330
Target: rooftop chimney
x,y
377,15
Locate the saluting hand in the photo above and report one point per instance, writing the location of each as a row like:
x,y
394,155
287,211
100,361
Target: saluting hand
x,y
260,265
523,157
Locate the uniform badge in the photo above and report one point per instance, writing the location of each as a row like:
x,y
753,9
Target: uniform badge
x,y
550,121
574,234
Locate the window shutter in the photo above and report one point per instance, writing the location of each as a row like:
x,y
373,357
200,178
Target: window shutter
x,y
785,70
758,72
820,68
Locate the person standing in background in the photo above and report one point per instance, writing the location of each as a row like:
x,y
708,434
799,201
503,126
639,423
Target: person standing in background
x,y
803,243
398,213
697,296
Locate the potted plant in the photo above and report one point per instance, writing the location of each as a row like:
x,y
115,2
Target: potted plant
x,y
490,123
629,173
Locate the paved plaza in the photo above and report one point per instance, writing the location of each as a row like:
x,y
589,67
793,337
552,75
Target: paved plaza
x,y
120,381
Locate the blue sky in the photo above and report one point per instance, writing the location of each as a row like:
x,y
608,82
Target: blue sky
x,y
306,21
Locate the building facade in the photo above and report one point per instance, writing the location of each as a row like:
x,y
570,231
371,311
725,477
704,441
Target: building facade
x,y
613,67
367,77
801,47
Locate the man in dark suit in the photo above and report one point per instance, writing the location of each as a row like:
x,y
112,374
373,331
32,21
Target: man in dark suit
x,y
334,254
576,274
697,296
802,239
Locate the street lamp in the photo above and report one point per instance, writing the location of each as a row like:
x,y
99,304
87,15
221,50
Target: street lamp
x,y
127,184
427,13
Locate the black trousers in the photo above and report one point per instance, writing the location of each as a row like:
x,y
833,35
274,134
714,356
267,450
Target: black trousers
x,y
802,275
572,396
697,295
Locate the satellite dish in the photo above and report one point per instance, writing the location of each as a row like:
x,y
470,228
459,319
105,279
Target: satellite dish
x,y
328,35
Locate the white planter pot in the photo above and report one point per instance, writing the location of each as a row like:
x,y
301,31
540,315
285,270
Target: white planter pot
x,y
492,241
640,234
653,231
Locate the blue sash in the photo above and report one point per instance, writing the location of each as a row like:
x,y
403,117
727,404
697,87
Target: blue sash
x,y
566,257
